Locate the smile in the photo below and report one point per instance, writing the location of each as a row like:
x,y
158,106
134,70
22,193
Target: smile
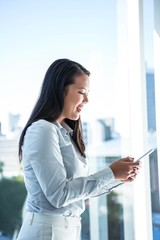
x,y
79,109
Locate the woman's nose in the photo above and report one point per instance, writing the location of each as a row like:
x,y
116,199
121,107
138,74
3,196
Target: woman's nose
x,y
86,100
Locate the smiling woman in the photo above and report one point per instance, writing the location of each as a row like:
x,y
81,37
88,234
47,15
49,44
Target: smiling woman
x,y
105,39
52,153
75,98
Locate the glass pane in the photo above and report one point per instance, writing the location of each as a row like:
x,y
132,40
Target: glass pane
x,y
35,34
151,113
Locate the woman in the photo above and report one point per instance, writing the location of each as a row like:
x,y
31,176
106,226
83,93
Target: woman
x,y
53,157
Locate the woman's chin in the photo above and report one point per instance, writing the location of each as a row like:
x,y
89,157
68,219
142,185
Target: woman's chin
x,y
75,118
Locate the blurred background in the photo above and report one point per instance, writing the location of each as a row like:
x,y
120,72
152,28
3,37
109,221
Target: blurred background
x,y
118,41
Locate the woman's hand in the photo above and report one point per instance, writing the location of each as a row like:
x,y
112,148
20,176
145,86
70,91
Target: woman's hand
x,y
125,169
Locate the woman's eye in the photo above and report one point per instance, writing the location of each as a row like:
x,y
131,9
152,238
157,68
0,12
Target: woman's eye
x,y
82,93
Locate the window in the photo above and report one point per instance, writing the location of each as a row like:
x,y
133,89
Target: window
x,y
119,42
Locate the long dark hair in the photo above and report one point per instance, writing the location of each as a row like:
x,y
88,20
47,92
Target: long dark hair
x,y
50,103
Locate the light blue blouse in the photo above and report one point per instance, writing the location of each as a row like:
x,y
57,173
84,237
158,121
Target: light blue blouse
x,y
55,174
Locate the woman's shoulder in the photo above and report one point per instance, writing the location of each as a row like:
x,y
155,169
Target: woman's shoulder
x,y
40,132
43,125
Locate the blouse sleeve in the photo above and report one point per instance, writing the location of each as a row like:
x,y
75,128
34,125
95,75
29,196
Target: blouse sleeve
x,y
107,188
42,150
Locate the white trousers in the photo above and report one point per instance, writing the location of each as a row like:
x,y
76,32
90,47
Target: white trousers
x,y
39,226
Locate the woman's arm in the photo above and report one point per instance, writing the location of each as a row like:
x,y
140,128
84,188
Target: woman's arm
x,y
41,148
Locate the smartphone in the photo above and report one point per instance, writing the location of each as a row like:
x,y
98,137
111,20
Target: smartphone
x,y
146,154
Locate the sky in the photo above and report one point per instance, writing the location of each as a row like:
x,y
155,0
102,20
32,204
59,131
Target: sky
x,y
35,33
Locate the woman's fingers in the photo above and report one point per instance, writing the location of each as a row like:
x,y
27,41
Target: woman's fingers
x,y
125,168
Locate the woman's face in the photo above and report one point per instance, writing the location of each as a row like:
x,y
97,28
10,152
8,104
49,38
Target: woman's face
x,y
75,99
